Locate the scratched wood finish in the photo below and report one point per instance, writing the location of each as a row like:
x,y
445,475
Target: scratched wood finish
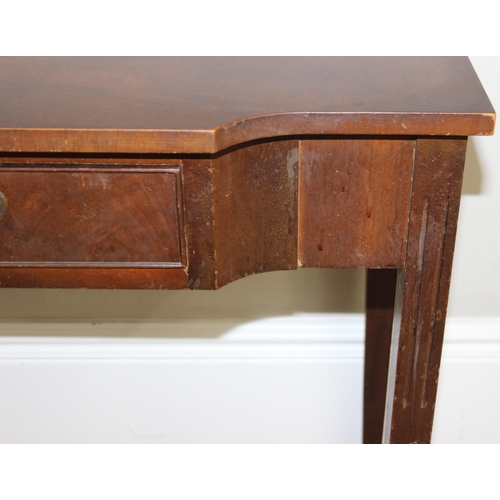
x,y
354,202
380,296
94,215
255,209
203,105
422,292
241,206
200,224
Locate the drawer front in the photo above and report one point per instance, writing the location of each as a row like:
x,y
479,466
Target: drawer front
x,y
90,216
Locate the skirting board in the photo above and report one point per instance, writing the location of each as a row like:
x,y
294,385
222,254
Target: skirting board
x,y
292,379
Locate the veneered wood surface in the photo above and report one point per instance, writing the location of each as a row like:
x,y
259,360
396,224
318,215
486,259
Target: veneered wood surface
x,y
422,292
203,105
255,209
354,202
71,225
70,214
380,295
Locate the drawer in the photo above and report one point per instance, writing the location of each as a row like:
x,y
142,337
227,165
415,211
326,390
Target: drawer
x,y
91,216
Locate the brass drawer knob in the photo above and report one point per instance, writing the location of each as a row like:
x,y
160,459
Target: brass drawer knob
x,y
3,205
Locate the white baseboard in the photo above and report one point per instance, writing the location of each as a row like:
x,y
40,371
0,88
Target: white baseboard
x,y
292,379
288,338
302,336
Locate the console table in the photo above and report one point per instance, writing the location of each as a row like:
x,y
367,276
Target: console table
x,y
172,173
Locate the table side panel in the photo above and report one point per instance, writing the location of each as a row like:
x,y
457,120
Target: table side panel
x,y
354,202
255,208
198,190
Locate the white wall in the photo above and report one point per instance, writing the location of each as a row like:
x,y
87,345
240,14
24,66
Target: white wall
x,y
56,396
295,379
475,287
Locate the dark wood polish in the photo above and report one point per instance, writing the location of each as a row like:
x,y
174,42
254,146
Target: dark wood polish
x,y
90,215
199,216
380,296
355,196
203,105
172,173
423,290
255,209
107,277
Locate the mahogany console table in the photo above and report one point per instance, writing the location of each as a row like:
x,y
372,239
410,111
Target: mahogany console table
x,y
172,173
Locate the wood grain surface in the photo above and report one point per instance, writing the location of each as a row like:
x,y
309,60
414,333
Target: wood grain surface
x,y
198,189
90,215
206,104
255,209
354,202
422,291
171,173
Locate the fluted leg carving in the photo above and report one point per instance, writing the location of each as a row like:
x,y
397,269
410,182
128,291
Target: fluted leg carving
x,y
422,291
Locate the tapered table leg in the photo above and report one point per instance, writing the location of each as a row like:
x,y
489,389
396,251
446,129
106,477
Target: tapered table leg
x,y
422,291
380,293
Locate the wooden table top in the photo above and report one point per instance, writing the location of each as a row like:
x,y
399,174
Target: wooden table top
x,y
205,104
